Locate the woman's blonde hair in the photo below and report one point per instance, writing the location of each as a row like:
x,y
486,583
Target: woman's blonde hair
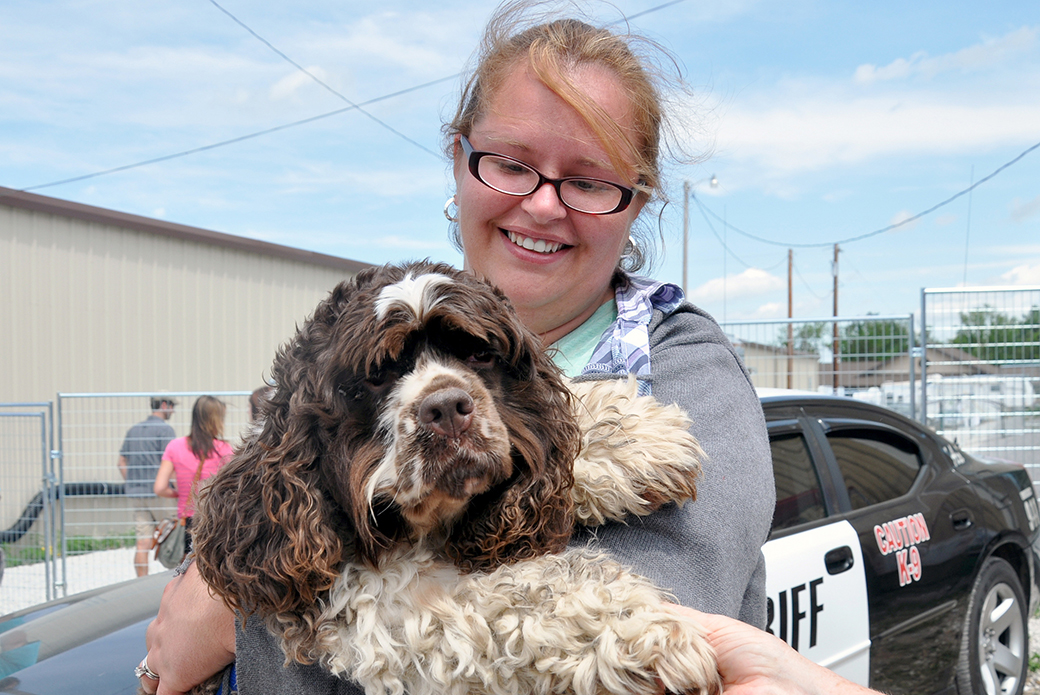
x,y
207,425
521,32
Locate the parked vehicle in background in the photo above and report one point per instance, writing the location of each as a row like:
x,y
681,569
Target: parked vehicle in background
x,y
896,559
86,644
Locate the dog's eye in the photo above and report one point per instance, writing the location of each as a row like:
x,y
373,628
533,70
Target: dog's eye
x,y
481,359
379,382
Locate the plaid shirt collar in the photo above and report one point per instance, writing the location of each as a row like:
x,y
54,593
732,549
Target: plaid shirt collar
x,y
625,346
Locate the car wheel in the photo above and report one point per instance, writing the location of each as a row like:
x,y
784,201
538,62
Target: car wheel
x,y
994,644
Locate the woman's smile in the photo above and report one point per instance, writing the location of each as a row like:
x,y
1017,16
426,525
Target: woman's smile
x,y
537,245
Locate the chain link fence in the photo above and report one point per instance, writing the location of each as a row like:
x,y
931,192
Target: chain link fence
x,y
28,504
983,370
70,524
869,358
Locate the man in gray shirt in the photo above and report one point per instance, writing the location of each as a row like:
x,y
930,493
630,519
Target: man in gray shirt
x,y
139,460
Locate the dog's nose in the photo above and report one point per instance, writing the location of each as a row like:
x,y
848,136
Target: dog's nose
x,y
447,412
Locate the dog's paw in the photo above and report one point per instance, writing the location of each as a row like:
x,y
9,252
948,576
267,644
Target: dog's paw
x,y
636,455
607,630
680,655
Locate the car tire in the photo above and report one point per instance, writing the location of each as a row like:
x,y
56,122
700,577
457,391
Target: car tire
x,y
994,654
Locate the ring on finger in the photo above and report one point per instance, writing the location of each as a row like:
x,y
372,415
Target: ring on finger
x,y
142,670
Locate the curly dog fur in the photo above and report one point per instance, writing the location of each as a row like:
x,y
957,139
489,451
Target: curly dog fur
x,y
402,512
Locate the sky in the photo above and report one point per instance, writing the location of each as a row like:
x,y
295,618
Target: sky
x,y
824,122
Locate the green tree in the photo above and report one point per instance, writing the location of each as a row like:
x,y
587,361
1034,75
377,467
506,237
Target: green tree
x,y
996,337
808,337
874,340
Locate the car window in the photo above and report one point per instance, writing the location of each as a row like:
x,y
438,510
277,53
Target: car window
x,y
798,496
877,466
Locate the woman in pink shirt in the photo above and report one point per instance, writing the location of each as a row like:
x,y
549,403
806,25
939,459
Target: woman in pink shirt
x,y
194,458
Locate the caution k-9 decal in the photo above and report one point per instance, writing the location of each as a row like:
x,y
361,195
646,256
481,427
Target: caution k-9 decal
x,y
902,536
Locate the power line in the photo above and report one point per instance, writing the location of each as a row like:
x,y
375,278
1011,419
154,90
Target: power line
x,y
884,229
232,141
314,77
807,287
285,126
645,12
725,249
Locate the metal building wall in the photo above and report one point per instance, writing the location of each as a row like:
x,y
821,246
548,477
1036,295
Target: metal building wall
x,y
97,301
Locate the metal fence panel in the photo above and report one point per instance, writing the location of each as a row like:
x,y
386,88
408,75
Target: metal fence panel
x,y
983,370
27,505
93,530
867,357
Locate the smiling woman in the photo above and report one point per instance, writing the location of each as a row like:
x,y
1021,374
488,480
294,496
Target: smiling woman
x,y
556,152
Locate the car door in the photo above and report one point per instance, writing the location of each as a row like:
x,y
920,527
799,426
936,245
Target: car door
x,y
817,600
914,522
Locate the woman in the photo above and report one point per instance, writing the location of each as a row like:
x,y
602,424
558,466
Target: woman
x,y
189,460
570,105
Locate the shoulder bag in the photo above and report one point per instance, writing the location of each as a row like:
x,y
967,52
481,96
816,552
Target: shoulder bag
x,y
170,536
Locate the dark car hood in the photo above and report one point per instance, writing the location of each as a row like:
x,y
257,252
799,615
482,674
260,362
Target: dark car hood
x,y
96,637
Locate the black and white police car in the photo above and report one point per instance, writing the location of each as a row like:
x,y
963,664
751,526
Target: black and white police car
x,y
895,559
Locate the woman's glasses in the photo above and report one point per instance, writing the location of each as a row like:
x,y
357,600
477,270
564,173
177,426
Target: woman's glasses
x,y
513,177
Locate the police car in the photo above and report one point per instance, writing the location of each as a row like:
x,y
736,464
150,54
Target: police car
x,y
895,558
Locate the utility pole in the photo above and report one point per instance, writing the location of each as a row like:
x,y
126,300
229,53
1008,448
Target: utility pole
x,y
790,315
687,192
837,344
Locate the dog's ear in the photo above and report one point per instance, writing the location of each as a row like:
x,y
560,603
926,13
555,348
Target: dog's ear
x,y
263,534
265,537
532,514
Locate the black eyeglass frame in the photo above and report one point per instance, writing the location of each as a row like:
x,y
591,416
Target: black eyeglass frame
x,y
474,157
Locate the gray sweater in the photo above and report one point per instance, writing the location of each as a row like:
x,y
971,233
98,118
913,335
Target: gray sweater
x,y
707,553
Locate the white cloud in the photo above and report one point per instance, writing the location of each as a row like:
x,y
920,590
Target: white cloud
x,y
750,283
798,133
1025,274
810,124
1023,210
293,82
770,310
416,42
987,53
901,217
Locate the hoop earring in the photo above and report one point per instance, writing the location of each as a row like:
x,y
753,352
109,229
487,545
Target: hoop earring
x,y
630,250
448,204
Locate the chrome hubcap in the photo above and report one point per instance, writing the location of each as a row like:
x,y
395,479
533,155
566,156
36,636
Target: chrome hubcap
x,y
1002,646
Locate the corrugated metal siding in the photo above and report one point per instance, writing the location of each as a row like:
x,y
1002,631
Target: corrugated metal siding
x,y
93,307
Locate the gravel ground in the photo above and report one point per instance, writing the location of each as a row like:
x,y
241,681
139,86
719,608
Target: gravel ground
x,y
1033,679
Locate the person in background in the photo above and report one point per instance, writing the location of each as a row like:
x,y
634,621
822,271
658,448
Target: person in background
x,y
189,460
556,147
139,460
254,402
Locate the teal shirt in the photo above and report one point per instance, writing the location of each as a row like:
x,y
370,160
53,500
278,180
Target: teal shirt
x,y
573,351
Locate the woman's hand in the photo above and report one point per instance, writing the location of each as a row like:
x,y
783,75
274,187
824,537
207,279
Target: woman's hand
x,y
754,662
192,638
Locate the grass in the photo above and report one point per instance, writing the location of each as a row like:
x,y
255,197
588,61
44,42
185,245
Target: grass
x,y
1034,659
77,545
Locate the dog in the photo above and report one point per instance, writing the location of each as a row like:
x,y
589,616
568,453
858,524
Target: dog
x,y
401,513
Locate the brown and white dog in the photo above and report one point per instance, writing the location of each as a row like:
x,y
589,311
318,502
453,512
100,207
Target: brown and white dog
x,y
402,513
